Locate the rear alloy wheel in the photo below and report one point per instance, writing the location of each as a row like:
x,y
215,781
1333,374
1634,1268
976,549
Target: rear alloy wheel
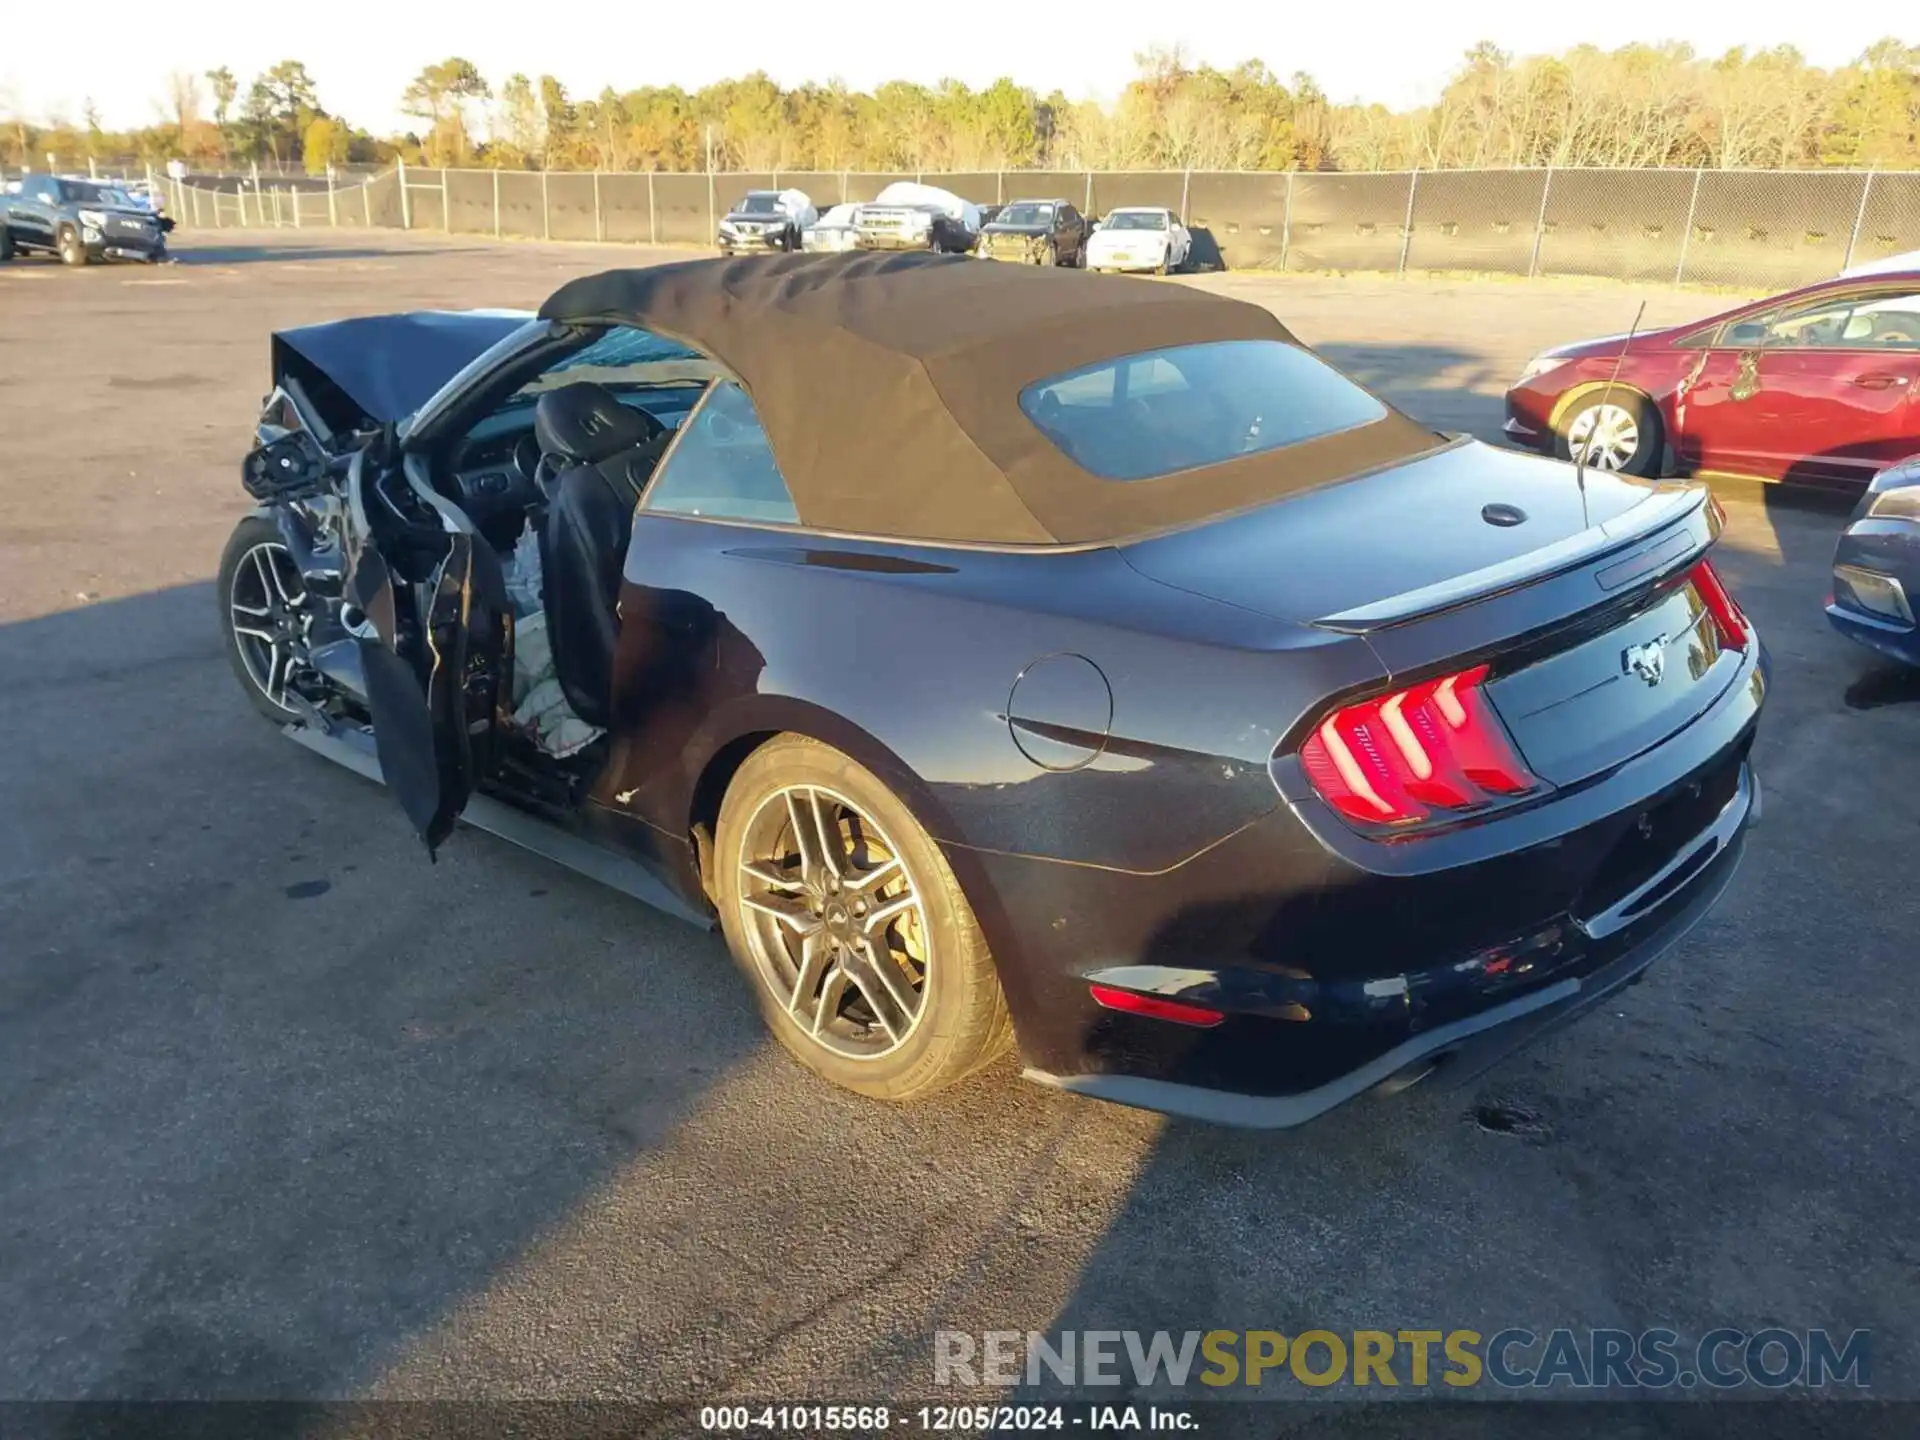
x,y
262,603
72,251
862,951
1618,432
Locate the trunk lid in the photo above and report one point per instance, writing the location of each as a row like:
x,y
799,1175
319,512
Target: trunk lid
x,y
1601,642
1342,548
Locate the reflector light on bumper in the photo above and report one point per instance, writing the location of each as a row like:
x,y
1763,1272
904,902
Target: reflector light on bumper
x,y
1154,1007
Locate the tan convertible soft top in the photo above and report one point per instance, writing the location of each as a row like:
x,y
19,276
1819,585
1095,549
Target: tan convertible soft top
x,y
889,386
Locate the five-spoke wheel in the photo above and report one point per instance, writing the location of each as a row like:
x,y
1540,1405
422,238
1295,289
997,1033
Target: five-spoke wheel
x,y
833,921
866,959
262,604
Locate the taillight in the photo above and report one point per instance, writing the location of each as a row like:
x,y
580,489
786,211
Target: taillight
x,y
1728,618
1434,748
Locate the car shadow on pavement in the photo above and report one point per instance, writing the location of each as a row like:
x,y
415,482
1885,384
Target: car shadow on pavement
x,y
279,1093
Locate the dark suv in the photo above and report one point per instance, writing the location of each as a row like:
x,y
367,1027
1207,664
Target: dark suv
x,y
80,221
1039,232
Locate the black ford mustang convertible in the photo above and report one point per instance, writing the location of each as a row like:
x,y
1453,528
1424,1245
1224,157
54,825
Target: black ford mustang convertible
x,y
1004,657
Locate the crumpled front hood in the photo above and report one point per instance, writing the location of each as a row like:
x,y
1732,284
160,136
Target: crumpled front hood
x,y
391,365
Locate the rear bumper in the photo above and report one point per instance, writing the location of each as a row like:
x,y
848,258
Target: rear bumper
x,y
1884,549
1456,1052
1341,964
1896,642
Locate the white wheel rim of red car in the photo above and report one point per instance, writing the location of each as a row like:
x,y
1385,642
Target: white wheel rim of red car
x,y
1610,434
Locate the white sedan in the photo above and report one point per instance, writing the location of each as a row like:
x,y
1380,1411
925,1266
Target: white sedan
x,y
1139,237
1891,265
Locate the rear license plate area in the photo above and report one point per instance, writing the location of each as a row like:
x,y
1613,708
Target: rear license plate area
x,y
1661,831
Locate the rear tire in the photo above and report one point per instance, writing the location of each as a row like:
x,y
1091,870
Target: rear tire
x,y
886,915
1624,430
72,251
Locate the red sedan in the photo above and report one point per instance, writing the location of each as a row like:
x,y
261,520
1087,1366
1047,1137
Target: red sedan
x,y
1821,385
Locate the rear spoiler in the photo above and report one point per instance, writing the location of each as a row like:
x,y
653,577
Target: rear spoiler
x,y
1666,518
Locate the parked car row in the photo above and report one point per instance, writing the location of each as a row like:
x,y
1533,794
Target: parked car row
x,y
911,216
1818,386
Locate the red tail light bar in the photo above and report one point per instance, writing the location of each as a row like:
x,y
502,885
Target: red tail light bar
x,y
1397,759
1728,618
1437,749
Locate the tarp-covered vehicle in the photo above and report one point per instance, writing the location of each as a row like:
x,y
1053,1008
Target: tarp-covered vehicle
x,y
911,216
1046,662
838,228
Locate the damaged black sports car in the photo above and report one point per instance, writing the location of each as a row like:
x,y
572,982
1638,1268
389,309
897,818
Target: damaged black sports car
x,y
1044,663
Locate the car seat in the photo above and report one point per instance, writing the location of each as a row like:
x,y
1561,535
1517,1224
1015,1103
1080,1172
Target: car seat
x,y
601,453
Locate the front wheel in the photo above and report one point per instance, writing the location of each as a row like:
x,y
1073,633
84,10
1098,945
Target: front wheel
x,y
262,614
1618,432
861,949
72,250
6,244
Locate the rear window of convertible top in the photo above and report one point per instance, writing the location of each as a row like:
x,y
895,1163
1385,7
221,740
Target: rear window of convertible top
x,y
1137,417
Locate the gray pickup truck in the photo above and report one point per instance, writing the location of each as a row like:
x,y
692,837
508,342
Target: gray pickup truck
x,y
79,220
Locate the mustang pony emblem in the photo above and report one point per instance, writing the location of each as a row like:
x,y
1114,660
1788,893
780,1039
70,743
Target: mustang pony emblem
x,y
1648,661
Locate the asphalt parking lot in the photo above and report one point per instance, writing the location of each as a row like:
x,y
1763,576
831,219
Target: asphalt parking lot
x,y
285,1111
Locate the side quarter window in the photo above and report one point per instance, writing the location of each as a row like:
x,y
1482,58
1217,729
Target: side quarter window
x,y
722,466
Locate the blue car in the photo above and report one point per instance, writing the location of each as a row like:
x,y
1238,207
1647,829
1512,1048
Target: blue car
x,y
1876,566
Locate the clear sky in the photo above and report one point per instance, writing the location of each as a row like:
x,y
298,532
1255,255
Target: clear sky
x,y
54,56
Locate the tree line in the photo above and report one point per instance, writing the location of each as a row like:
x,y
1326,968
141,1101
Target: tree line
x,y
1638,105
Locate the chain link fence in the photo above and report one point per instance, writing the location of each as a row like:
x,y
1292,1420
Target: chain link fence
x,y
1743,229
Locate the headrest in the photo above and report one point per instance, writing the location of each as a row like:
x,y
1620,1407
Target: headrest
x,y
585,423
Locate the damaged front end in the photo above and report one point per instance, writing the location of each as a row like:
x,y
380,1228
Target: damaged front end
x,y
405,642
1026,247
